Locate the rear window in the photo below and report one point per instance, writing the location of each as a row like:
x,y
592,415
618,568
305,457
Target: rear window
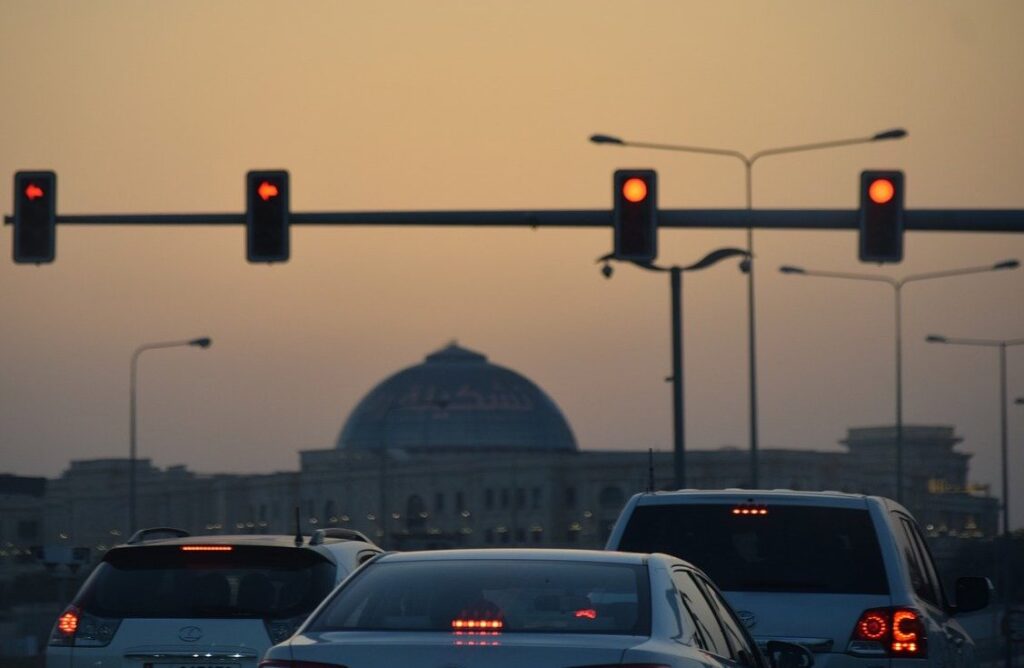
x,y
791,548
505,596
247,582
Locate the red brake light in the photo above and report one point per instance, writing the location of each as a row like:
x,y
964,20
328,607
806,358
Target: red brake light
x,y
206,548
477,624
588,613
750,509
68,623
889,631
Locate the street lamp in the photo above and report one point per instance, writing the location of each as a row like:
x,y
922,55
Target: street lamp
x,y
675,273
897,286
1002,345
203,342
748,164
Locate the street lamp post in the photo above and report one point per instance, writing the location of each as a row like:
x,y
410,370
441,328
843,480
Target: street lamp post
x,y
675,274
748,165
203,342
897,286
1002,345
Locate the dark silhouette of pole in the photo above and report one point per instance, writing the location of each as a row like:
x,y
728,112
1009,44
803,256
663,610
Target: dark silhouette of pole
x,y
897,285
203,342
678,383
748,165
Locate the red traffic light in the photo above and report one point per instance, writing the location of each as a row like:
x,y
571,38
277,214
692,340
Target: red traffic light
x,y
33,192
267,190
881,191
634,190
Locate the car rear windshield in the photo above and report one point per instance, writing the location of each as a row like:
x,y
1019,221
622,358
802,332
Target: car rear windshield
x,y
787,548
493,596
169,582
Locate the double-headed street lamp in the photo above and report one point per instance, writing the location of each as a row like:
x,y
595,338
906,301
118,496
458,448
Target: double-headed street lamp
x,y
1002,345
897,286
675,273
748,164
203,342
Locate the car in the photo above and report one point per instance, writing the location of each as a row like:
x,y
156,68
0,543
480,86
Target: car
x,y
166,599
510,608
849,576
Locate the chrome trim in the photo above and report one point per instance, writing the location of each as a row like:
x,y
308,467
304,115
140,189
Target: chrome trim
x,y
817,645
220,655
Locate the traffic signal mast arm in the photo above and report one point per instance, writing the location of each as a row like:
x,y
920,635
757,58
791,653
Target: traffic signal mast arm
x,y
933,220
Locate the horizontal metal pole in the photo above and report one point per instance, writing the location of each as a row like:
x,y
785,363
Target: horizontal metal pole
x,y
936,220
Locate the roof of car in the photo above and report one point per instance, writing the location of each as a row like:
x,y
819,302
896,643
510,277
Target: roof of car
x,y
519,554
257,540
796,497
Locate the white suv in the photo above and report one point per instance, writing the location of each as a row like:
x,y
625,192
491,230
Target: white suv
x,y
188,601
848,576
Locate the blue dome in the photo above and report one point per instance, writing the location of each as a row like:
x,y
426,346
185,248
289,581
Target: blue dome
x,y
457,401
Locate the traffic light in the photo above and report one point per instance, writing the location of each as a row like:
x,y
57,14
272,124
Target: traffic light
x,y
635,217
35,216
881,216
266,216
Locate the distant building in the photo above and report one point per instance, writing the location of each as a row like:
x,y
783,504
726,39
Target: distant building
x,y
458,451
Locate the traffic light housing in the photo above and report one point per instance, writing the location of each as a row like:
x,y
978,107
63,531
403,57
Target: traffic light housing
x,y
881,216
635,216
35,217
266,216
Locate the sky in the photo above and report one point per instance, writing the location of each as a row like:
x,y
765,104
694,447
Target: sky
x,y
146,107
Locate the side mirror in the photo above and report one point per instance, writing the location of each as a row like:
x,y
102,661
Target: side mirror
x,y
788,655
972,593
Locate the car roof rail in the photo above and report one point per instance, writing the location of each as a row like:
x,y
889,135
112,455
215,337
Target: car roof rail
x,y
320,535
148,534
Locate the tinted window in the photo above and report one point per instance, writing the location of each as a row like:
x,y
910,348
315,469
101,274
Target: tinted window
x,y
164,581
792,548
742,650
532,596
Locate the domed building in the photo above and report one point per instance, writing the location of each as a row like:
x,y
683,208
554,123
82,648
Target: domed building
x,y
457,401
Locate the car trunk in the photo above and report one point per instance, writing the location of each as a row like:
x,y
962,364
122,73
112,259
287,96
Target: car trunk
x,y
368,649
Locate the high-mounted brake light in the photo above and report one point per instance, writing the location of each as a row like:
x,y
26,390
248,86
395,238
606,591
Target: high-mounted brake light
x,y
206,548
750,509
477,624
889,632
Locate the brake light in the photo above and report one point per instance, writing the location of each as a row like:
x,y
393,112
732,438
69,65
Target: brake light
x,y
206,548
750,509
889,632
477,624
68,622
588,613
76,628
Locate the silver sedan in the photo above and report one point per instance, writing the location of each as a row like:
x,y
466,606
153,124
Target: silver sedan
x,y
515,608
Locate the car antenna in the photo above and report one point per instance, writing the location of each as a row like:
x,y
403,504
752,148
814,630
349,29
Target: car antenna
x,y
650,469
298,528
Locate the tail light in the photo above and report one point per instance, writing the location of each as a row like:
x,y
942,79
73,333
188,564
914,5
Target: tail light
x,y
893,632
76,628
282,629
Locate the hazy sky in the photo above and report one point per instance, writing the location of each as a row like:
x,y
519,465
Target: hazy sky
x,y
163,107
